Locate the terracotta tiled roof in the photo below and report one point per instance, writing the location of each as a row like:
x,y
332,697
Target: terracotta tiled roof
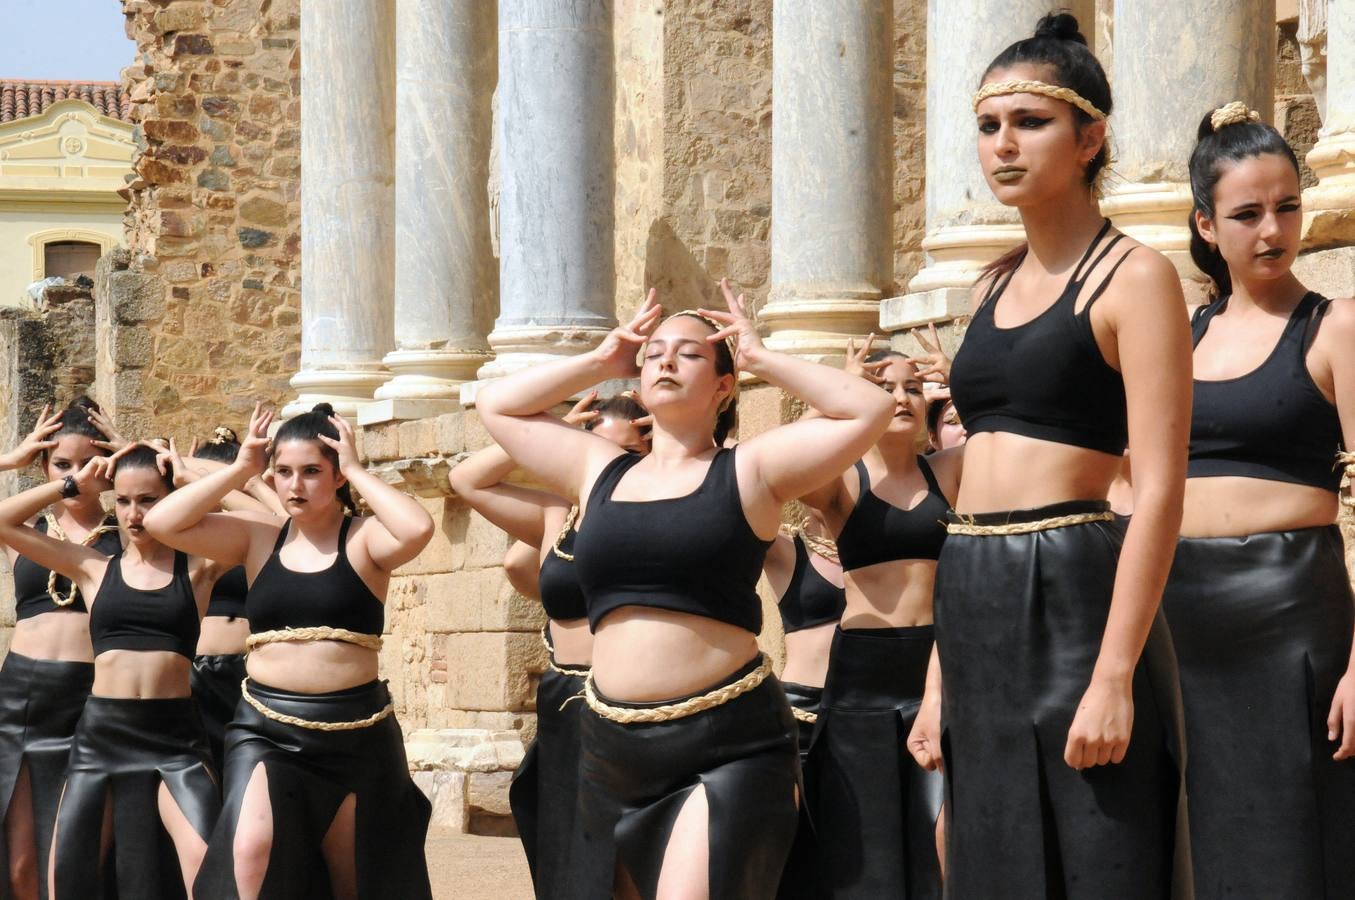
x,y
21,98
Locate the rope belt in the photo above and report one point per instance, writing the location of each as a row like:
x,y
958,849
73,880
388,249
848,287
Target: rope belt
x,y
550,656
973,528
804,715
55,530
313,633
310,723
669,711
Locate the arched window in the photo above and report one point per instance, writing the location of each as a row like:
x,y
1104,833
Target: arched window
x,y
69,259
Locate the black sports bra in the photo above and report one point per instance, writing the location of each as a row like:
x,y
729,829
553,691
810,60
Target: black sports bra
x,y
561,595
1272,423
694,554
1046,378
877,531
31,580
128,618
228,594
335,597
810,599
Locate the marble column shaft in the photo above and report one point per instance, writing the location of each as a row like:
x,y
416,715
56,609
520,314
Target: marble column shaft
x,y
557,276
347,200
445,277
832,253
1329,207
1175,62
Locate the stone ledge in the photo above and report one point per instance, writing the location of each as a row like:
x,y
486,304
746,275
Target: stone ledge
x,y
911,310
380,412
421,477
466,774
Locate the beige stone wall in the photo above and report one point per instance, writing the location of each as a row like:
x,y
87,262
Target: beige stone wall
x,y
213,209
910,138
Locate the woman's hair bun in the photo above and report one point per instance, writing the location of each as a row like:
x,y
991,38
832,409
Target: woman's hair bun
x,y
1060,26
323,409
85,404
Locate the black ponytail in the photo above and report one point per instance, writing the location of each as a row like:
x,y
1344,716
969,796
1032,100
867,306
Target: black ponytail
x,y
308,427
1215,152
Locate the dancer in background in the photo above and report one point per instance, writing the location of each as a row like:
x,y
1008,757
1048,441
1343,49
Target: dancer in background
x,y
1259,600
1059,694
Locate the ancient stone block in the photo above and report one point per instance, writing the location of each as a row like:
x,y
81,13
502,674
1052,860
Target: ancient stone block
x,y
179,17
488,792
263,210
191,44
220,107
169,130
254,237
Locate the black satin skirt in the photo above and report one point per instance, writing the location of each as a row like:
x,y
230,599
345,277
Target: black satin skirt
x,y
122,752
544,795
806,698
40,703
1262,627
797,880
635,779
874,808
310,773
216,690
1019,623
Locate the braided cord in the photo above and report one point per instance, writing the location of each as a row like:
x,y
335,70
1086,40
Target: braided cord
x,y
1058,92
312,724
313,633
570,518
1232,114
804,715
550,655
971,528
54,530
669,711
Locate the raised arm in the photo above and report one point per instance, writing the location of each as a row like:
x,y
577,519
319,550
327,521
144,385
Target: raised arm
x,y
514,408
36,441
520,511
84,566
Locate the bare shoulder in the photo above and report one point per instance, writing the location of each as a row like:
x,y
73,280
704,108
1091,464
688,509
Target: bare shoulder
x,y
1338,323
1145,281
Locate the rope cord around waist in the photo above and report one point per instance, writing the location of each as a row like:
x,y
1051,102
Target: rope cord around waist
x,y
804,715
313,633
667,712
550,655
973,528
311,724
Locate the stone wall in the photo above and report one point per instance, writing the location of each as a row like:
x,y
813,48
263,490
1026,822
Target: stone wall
x,y
213,219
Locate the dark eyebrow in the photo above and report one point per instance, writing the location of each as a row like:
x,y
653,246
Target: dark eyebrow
x,y
1256,203
1019,111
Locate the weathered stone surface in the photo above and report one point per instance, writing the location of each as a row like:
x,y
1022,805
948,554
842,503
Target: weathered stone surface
x,y
488,792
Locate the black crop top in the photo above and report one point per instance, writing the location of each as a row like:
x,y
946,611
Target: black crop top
x,y
877,531
335,597
228,594
30,579
128,618
810,599
694,554
1044,379
558,583
1272,423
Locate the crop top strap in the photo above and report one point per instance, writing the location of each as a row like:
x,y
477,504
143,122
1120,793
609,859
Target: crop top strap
x,y
343,536
1082,269
282,537
1105,282
609,476
864,478
1308,319
931,479
180,564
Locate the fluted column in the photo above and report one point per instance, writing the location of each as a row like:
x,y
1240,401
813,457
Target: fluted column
x,y
347,200
557,278
1329,207
966,227
445,278
1174,62
832,188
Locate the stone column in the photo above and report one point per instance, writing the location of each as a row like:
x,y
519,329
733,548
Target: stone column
x,y
832,190
445,278
557,277
347,200
1174,62
1329,207
966,227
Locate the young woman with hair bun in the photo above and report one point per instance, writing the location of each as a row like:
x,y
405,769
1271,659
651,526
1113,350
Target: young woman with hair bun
x,y
318,797
1259,600
49,666
690,769
1052,699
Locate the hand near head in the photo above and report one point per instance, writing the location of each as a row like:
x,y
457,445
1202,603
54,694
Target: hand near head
x,y
169,462
933,364
619,348
581,413
96,476
35,442
346,446
115,441
253,454
738,325
856,361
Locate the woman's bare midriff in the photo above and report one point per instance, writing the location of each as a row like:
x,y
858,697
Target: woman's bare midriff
x,y
807,655
58,635
894,594
1231,506
312,667
645,655
1005,472
141,675
573,642
222,635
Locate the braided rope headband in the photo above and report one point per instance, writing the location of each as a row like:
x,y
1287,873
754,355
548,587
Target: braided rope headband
x,y
1232,114
1058,92
731,344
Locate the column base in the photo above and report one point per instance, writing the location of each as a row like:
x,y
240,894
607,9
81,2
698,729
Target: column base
x,y
919,308
1329,206
815,321
345,390
518,348
1155,215
957,253
429,374
403,409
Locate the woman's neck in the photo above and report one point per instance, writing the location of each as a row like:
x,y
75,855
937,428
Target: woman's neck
x,y
318,528
1059,231
1273,296
671,445
145,552
897,454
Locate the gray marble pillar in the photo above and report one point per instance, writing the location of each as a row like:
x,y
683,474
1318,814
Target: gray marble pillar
x,y
832,241
445,277
1175,62
347,200
557,277
1329,207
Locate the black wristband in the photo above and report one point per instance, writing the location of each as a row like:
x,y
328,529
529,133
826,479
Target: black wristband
x,y
69,488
